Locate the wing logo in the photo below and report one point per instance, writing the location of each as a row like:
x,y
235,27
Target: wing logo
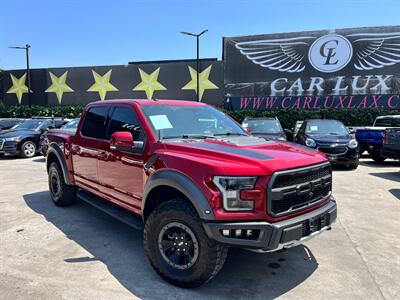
x,y
328,53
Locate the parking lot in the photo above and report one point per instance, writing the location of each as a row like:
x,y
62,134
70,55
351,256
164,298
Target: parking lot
x,y
47,252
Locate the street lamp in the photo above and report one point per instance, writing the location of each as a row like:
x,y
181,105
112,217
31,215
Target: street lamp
x,y
197,59
26,48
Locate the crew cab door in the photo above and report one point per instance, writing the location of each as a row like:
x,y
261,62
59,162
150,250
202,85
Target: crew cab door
x,y
85,145
121,172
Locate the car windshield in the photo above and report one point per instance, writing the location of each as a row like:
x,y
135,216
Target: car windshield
x,y
180,121
71,125
263,126
387,122
326,127
28,125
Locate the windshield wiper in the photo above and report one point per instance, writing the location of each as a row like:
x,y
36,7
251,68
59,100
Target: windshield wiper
x,y
230,133
189,136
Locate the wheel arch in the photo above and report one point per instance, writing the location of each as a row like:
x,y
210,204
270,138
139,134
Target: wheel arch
x,y
176,185
56,154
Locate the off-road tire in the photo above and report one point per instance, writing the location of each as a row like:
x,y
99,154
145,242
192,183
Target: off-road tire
x,y
377,157
211,255
61,193
30,151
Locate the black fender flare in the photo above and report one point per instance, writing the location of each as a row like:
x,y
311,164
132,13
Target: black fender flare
x,y
183,184
59,153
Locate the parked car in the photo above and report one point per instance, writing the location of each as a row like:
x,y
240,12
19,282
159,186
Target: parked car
x,y
23,139
71,127
194,179
371,138
332,138
391,143
267,128
8,123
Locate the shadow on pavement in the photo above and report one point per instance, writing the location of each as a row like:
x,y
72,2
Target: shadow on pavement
x,y
385,164
244,275
396,193
395,176
39,160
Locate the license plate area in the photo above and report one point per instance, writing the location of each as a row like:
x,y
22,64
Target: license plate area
x,y
315,224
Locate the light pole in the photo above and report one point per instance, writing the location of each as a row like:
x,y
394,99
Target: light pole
x,y
28,73
197,59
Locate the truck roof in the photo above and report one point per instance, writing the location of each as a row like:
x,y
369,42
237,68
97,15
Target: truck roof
x,y
149,102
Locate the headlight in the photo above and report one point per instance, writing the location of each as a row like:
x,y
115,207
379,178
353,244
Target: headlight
x,y
310,143
13,139
353,144
230,188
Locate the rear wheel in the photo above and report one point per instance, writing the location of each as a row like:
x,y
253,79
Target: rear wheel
x,y
61,193
28,149
376,156
178,248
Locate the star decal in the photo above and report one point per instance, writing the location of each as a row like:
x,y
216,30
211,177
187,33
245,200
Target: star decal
x,y
204,82
149,83
59,85
18,88
102,84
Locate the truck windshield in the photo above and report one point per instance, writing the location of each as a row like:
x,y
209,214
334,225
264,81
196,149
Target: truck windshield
x,y
179,121
387,122
263,126
28,125
326,127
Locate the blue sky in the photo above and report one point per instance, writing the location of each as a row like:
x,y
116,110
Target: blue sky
x,y
107,32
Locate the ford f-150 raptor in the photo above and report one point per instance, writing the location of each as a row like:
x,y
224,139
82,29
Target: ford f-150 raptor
x,y
194,180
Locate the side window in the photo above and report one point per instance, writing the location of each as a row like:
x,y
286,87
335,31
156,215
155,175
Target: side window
x,y
94,123
124,119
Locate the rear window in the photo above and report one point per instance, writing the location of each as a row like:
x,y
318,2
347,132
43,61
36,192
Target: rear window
x,y
387,122
94,124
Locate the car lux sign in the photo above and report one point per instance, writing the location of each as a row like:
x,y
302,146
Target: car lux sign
x,y
347,68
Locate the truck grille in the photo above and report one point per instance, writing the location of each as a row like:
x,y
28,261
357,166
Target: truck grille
x,y
1,144
297,189
333,149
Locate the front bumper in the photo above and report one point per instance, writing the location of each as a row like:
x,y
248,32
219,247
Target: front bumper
x,y
275,236
9,147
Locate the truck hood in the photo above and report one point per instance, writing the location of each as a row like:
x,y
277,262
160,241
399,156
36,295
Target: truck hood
x,y
244,155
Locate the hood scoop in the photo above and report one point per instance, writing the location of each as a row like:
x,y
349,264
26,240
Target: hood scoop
x,y
243,140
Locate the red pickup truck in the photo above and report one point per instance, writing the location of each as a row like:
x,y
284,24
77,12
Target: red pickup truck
x,y
194,180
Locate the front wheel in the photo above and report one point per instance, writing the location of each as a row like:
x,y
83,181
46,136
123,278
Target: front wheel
x,y
61,193
178,248
28,149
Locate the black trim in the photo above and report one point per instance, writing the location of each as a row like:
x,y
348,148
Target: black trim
x,y
183,184
233,150
274,236
56,150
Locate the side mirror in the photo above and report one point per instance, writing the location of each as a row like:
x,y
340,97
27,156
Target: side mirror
x,y
123,141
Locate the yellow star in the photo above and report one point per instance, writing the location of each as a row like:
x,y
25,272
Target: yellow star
x,y
204,82
102,84
149,83
18,88
59,86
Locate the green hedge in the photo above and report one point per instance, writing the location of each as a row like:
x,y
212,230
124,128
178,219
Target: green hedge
x,y
354,117
24,111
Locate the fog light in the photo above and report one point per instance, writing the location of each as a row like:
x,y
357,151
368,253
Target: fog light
x,y
225,232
